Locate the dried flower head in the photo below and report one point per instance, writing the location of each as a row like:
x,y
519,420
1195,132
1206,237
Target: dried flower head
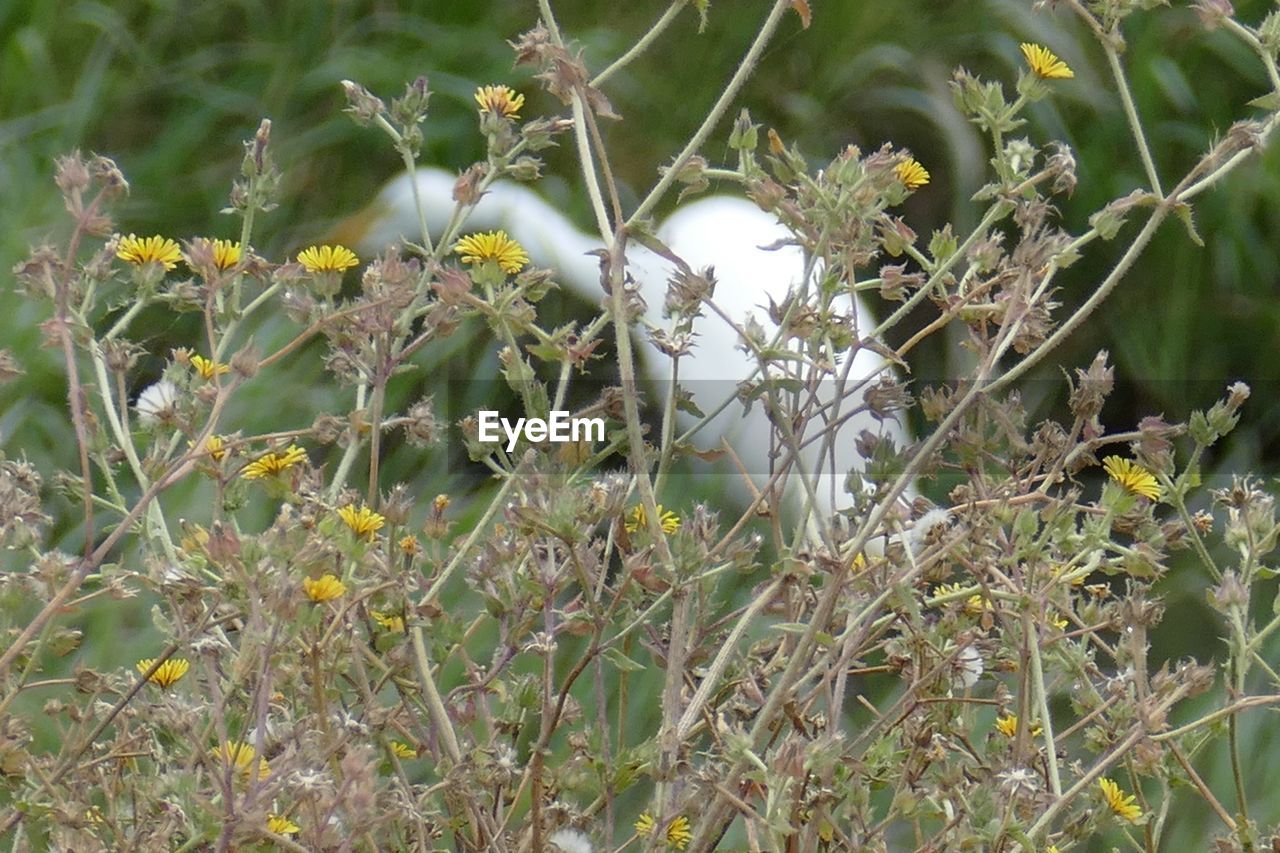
x,y
364,522
494,246
1045,64
274,463
149,250
168,673
327,259
325,588
500,100
158,402
1132,477
911,173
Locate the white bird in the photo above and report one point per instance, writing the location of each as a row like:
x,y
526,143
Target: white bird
x,y
751,267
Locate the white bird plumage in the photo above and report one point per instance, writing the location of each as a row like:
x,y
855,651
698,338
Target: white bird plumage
x,y
753,266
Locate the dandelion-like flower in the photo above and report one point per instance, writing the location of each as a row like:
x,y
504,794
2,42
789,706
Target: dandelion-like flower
x,y
158,402
323,259
216,447
1045,64
678,834
274,463
325,588
1007,725
392,622
207,368
363,522
494,246
168,673
1122,805
403,750
637,520
281,825
1132,477
911,173
409,545
226,254
241,756
149,250
500,100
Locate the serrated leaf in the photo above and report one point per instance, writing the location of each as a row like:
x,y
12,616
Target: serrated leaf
x,y
1188,219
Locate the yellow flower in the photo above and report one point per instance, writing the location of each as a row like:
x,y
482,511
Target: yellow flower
x,y
1045,64
281,825
1122,805
975,604
363,522
225,254
1007,725
403,750
911,173
1057,621
216,447
409,545
242,757
168,673
326,588
500,100
274,463
146,250
1132,477
495,246
678,833
207,368
390,621
321,259
645,825
637,520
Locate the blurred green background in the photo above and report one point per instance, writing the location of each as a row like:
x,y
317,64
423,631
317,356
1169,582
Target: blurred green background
x,y
170,89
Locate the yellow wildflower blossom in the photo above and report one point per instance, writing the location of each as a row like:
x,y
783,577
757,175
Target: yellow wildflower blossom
x,y
208,368
325,588
226,254
281,825
1045,64
409,545
322,259
403,750
216,447
637,520
494,246
678,833
147,250
392,622
363,522
274,463
1132,477
500,100
168,673
1121,804
911,173
1007,725
241,756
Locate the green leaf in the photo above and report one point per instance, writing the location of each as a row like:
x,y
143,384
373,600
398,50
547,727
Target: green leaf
x,y
621,661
